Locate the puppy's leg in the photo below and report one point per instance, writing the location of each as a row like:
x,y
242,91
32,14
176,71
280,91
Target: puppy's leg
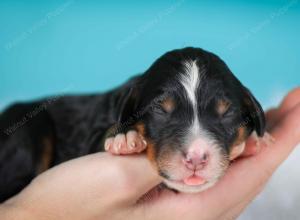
x,y
125,143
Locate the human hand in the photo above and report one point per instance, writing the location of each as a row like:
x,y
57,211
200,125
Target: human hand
x,y
97,186
102,186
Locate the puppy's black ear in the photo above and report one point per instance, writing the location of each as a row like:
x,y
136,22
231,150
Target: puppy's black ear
x,y
256,112
127,106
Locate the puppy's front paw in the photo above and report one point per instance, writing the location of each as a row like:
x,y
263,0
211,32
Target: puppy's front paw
x,y
265,141
128,143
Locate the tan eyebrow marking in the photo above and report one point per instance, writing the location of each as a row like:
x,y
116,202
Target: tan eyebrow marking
x,y
168,104
222,106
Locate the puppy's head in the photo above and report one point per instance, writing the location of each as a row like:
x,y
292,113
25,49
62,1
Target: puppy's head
x,y
195,115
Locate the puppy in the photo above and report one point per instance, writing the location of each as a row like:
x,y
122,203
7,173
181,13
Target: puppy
x,y
189,113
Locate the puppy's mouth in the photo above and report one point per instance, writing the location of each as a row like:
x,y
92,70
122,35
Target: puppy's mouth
x,y
183,180
194,180
192,174
190,184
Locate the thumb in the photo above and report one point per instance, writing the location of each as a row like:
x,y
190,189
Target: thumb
x,y
287,136
135,174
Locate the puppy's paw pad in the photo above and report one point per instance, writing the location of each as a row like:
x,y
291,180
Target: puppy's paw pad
x,y
130,143
115,144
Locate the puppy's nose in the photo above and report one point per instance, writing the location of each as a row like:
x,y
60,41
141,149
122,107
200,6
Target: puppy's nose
x,y
197,155
196,160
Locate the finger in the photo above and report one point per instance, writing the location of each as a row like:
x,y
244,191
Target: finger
x,y
138,176
274,115
290,101
287,135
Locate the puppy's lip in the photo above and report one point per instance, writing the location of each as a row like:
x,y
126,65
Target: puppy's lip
x,y
194,180
190,179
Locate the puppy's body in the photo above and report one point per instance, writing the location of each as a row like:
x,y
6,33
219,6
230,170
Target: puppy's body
x,y
188,106
36,136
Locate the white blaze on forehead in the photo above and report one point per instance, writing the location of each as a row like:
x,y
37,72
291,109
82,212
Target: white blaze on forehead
x,y
190,80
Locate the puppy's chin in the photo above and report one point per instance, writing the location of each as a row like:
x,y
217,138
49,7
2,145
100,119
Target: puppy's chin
x,y
182,187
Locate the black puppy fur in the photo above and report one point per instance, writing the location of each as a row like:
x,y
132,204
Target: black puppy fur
x,y
73,126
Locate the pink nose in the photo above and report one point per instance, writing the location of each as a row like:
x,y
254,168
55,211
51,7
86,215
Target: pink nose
x,y
196,161
197,155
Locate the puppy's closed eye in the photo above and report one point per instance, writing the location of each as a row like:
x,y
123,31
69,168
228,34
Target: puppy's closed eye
x,y
223,107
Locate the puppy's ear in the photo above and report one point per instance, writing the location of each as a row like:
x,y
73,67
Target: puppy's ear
x,y
256,112
127,106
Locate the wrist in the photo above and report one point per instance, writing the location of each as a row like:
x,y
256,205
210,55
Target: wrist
x,y
11,211
18,209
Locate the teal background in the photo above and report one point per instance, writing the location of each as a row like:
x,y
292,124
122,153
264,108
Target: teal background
x,y
50,47
77,46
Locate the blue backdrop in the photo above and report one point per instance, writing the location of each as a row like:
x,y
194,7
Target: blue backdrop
x,y
50,47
